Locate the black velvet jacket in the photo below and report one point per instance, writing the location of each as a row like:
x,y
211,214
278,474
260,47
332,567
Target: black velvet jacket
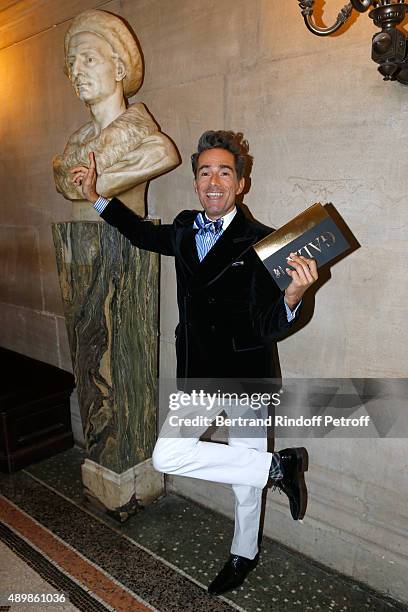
x,y
231,312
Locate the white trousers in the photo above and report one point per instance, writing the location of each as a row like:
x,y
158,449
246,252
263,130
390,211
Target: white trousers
x,y
244,464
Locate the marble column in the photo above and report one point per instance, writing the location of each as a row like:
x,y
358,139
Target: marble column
x,y
110,295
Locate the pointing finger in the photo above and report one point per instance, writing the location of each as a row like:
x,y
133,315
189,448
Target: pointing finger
x,y
92,163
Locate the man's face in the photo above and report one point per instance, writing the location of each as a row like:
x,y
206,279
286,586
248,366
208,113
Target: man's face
x,y
216,183
92,68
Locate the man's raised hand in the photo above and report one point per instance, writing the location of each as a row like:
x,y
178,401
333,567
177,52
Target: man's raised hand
x,y
85,177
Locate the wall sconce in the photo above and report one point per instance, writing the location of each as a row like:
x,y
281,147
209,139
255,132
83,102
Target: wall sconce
x,y
389,48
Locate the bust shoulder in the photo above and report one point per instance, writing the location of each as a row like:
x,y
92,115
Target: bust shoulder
x,y
81,135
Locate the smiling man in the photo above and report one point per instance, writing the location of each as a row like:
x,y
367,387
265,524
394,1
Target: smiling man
x,y
230,314
217,183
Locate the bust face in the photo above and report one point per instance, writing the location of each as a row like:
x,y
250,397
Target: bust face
x,y
92,67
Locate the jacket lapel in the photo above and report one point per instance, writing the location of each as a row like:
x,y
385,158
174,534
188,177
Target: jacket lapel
x,y
231,245
187,248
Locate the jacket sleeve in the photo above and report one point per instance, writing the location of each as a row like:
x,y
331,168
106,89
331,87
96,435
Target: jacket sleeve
x,y
143,234
268,311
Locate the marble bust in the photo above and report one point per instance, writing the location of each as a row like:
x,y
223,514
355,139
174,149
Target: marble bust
x,y
105,67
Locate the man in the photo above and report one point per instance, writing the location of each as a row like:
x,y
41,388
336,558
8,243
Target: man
x,y
231,312
104,65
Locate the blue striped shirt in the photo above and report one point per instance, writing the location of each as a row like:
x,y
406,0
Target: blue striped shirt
x,y
206,240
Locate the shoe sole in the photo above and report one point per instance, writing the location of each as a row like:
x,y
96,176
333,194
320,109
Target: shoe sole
x,y
302,458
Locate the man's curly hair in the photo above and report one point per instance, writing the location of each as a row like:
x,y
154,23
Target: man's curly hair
x,y
233,142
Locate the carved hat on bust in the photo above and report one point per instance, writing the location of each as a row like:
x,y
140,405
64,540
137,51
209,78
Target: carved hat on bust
x,y
117,34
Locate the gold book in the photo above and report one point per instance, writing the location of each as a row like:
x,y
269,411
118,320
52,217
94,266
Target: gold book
x,y
312,234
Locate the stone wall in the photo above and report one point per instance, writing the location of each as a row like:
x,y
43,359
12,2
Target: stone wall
x,y
323,126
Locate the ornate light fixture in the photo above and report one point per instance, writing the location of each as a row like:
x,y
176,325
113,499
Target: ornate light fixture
x,y
389,47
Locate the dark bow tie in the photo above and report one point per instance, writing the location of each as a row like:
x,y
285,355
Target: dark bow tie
x,y
206,225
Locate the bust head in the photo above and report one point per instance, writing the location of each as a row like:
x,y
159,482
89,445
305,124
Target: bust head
x,y
93,68
101,55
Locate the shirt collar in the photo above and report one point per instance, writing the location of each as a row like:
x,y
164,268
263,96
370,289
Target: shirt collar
x,y
227,218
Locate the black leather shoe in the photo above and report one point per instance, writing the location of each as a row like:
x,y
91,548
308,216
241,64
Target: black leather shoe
x,y
294,462
232,574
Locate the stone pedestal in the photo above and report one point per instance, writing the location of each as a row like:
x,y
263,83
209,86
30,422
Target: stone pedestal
x,y
110,296
121,494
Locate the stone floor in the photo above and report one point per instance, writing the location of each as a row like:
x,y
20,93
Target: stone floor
x,y
163,557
